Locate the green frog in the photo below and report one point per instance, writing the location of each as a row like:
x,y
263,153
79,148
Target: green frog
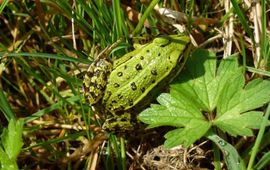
x,y
123,86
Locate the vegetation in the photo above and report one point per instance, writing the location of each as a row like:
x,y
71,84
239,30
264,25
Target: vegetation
x,y
213,115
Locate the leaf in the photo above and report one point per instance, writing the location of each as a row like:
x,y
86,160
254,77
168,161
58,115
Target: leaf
x,y
240,124
172,111
11,140
196,83
208,93
255,94
6,163
229,90
193,131
230,154
231,116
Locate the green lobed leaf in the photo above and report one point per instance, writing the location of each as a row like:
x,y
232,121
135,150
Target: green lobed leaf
x,y
194,130
240,124
172,111
231,116
208,93
228,90
197,82
255,94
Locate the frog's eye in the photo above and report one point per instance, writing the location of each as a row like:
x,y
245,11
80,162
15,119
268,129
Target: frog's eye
x,y
161,40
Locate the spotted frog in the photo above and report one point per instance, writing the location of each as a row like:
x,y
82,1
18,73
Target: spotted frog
x,y
125,85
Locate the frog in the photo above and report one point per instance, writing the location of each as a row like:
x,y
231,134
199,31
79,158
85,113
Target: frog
x,y
122,87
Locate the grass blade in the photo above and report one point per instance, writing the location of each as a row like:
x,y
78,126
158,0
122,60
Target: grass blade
x,y
5,107
259,139
144,16
242,19
3,5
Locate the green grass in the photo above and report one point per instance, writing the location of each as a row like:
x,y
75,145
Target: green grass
x,y
46,46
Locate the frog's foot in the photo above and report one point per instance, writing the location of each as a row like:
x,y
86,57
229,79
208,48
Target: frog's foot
x,y
121,123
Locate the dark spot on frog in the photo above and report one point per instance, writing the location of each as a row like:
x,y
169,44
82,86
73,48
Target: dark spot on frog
x,y
133,86
142,89
147,51
92,94
86,88
141,57
130,101
102,88
98,86
109,93
154,72
167,68
116,85
153,81
123,119
130,57
119,74
156,158
159,54
97,73
91,84
145,78
138,67
120,108
110,108
119,96
114,101
90,74
125,66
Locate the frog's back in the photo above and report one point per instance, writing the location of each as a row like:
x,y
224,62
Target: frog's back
x,y
131,81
